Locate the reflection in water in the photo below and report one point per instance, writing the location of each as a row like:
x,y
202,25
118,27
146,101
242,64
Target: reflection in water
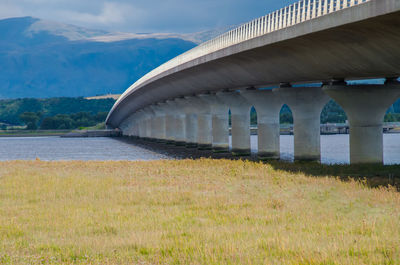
x,y
334,149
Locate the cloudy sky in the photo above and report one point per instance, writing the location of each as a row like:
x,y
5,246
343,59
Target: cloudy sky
x,y
138,16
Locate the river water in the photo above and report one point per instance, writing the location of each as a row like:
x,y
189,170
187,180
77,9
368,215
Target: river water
x,y
334,149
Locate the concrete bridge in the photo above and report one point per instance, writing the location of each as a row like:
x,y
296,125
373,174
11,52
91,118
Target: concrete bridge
x,y
304,53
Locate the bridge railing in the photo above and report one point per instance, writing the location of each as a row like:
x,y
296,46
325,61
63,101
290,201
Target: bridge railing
x,y
296,13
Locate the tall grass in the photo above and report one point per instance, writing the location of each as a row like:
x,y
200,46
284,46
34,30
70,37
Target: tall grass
x,y
191,212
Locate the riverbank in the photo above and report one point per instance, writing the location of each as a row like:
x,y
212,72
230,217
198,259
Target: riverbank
x,y
191,212
37,133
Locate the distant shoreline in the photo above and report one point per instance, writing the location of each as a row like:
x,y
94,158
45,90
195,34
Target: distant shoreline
x,y
62,133
32,133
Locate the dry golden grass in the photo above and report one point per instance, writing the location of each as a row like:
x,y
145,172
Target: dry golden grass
x,y
190,212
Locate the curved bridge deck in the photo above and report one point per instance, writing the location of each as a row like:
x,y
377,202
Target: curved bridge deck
x,y
312,41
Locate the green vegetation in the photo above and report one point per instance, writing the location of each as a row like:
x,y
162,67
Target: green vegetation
x,y
54,113
28,133
333,113
31,119
392,117
192,212
77,120
286,116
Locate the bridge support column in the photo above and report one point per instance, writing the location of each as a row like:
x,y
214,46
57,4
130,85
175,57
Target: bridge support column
x,y
137,130
159,123
133,130
142,124
268,106
147,123
306,104
204,137
365,106
127,126
240,116
190,122
191,130
135,127
149,116
178,130
220,123
204,124
170,128
154,131
169,124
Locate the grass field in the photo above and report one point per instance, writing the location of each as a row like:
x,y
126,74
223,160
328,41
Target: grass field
x,y
192,212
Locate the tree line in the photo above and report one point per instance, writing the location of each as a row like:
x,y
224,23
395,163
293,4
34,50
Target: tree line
x,y
72,113
34,121
54,113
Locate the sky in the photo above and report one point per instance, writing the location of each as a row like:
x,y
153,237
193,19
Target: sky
x,y
143,16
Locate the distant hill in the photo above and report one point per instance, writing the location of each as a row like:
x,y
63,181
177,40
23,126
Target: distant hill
x,y
44,59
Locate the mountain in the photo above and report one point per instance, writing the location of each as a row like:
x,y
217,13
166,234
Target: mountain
x,y
44,59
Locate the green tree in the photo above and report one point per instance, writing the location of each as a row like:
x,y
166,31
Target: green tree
x,y
31,120
286,116
392,117
253,116
58,122
333,113
11,109
83,119
101,116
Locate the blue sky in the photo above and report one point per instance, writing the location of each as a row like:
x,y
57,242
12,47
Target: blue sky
x,y
137,16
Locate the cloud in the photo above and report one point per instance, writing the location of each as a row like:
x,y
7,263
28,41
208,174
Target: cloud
x,y
181,16
111,13
9,9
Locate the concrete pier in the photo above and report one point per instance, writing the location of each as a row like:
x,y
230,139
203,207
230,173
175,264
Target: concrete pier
x,y
306,104
204,121
177,127
142,124
204,131
127,127
240,117
169,124
220,123
268,106
149,116
133,125
191,126
159,123
365,106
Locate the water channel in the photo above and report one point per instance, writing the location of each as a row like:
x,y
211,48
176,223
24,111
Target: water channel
x,y
334,149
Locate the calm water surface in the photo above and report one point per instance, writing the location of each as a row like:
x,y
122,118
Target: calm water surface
x,y
57,148
334,149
